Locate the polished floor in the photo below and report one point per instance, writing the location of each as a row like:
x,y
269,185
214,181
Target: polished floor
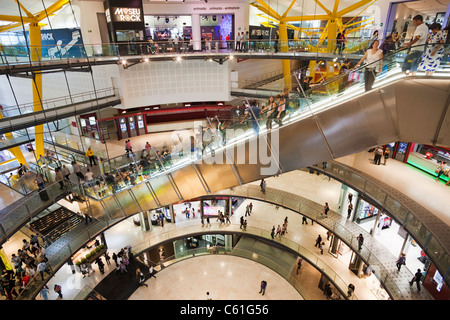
x,y
414,183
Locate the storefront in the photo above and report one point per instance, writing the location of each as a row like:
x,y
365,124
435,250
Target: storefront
x,y
88,124
125,21
429,158
163,28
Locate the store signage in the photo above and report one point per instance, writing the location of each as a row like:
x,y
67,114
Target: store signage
x,y
124,15
215,8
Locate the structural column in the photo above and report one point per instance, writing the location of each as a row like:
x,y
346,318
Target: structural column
x,y
35,55
282,28
196,32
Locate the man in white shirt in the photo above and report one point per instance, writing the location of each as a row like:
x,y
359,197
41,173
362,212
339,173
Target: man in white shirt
x,y
413,59
89,176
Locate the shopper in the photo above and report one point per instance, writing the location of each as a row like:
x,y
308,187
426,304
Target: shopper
x,y
349,210
41,268
263,186
65,172
440,170
58,289
360,239
272,232
91,156
417,277
263,287
401,261
238,42
141,277
151,272
386,155
254,112
89,176
435,50
44,292
318,241
60,178
326,208
413,59
351,289
299,264
374,64
77,170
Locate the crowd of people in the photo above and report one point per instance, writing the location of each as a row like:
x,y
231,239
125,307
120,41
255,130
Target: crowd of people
x,y
29,263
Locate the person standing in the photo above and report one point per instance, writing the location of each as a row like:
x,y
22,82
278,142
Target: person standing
x,y
386,155
349,210
238,42
299,264
263,287
401,261
247,210
58,289
360,239
65,172
433,55
151,272
417,277
245,39
77,170
413,59
326,208
440,170
114,257
228,39
263,186
44,292
91,156
254,113
374,64
141,277
245,225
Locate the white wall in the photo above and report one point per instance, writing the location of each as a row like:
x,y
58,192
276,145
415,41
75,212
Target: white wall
x,y
166,82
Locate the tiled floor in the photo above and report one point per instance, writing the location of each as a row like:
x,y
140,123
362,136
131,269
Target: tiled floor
x,y
412,182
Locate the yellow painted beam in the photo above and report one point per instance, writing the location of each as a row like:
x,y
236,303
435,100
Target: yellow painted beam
x,y
353,7
289,9
28,13
51,9
282,28
323,7
336,5
16,19
306,18
17,153
268,9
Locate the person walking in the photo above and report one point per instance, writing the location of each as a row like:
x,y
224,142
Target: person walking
x,y
318,241
386,155
262,185
417,277
360,239
299,264
242,222
326,208
263,287
58,289
60,178
247,210
65,172
91,156
245,225
349,210
151,272
141,277
272,232
401,261
44,292
374,64
77,170
114,257
107,258
41,268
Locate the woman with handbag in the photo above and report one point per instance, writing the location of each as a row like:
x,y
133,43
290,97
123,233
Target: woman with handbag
x,y
371,57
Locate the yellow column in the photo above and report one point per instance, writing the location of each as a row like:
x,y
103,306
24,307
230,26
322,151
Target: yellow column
x,y
35,55
332,34
282,27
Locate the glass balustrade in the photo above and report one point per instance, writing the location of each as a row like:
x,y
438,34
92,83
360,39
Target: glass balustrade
x,y
13,55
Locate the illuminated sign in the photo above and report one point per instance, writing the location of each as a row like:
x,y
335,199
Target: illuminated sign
x,y
126,15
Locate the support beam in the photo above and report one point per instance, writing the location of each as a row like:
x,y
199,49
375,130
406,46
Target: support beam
x,y
35,55
285,48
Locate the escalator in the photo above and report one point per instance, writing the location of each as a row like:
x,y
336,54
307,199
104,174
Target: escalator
x,y
319,128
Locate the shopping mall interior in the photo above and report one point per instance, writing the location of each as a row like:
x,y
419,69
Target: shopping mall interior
x,y
228,150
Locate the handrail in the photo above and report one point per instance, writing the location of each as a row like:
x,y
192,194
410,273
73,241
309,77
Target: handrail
x,y
404,210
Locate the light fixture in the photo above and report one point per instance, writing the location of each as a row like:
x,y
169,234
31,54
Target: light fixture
x,y
124,62
145,59
178,58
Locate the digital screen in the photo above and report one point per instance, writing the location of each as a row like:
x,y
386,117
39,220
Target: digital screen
x,y
402,147
132,126
212,211
140,124
123,127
